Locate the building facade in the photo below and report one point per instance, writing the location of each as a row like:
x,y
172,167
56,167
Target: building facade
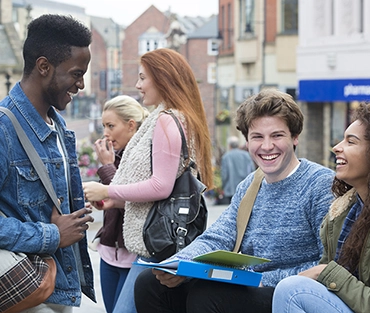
x,y
332,69
201,50
258,50
194,37
146,33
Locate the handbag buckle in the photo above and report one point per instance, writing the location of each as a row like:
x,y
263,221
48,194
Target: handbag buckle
x,y
183,231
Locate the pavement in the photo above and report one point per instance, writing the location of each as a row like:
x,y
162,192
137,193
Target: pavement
x,y
87,306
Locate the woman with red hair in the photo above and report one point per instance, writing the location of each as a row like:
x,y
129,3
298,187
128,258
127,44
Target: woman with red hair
x,y
152,159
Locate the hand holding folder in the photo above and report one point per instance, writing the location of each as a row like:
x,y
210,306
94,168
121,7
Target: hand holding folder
x,y
220,265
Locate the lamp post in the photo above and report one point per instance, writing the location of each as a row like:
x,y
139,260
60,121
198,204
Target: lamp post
x,y
117,70
7,83
28,18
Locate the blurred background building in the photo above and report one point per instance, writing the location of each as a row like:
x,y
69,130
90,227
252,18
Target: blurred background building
x,y
314,50
332,69
257,50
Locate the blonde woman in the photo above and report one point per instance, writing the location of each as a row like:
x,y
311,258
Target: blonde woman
x,y
121,118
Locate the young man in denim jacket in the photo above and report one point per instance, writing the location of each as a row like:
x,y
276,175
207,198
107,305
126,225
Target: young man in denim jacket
x,y
56,56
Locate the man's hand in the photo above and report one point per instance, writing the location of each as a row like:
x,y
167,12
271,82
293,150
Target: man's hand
x,y
167,279
72,226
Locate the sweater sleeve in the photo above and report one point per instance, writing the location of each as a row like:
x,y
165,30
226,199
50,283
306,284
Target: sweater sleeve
x,y
106,173
166,151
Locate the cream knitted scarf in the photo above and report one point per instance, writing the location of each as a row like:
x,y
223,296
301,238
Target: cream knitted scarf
x,y
135,166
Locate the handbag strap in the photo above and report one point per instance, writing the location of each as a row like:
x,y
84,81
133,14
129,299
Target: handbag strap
x,y
34,158
184,146
181,230
245,207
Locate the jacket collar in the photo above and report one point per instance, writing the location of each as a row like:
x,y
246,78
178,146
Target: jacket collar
x,y
30,114
342,203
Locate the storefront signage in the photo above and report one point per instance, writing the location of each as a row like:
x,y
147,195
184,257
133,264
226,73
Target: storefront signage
x,y
334,90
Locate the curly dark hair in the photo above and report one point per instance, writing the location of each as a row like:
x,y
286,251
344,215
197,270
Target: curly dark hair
x,y
352,247
52,36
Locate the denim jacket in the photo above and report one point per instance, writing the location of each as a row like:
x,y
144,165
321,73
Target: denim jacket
x,y
26,203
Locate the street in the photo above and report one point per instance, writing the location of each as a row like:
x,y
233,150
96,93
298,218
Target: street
x,y
87,305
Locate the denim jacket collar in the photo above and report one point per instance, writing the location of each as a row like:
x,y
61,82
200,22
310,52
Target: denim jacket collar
x,y
29,112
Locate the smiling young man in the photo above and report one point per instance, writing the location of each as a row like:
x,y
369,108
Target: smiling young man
x,y
56,56
284,225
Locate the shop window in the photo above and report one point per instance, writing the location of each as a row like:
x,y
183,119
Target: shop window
x,y
247,26
289,16
213,46
211,73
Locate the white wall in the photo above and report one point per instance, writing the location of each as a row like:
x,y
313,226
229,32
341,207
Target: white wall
x,y
331,45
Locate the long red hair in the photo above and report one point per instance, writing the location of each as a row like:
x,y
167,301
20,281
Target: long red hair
x,y
176,83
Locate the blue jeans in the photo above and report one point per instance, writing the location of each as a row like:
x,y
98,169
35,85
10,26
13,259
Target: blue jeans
x,y
298,294
126,302
112,279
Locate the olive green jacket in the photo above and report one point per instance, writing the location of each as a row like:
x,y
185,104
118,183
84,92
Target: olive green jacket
x,y
354,292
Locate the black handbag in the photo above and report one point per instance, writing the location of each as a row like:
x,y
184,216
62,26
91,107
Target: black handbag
x,y
175,222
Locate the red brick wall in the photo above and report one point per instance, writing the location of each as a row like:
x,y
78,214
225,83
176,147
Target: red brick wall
x,y
98,63
271,21
196,52
226,26
130,47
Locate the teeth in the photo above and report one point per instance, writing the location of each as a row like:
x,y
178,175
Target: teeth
x,y
340,161
71,94
269,157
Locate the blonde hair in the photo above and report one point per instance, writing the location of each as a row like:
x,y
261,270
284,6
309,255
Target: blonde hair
x,y
127,108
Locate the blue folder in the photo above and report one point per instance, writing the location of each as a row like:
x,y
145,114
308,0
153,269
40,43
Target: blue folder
x,y
218,273
222,266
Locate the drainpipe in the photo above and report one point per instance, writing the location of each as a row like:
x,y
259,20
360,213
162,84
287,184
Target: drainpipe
x,y
263,80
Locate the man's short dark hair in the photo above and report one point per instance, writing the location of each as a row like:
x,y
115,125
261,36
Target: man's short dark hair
x,y
52,36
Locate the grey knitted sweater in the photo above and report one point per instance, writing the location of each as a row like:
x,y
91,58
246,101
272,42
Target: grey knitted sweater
x,y
283,227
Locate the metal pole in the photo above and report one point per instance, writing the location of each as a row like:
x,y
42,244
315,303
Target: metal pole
x,y
7,83
263,82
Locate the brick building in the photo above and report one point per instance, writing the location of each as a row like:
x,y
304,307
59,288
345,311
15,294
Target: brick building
x,y
201,51
258,50
153,29
146,33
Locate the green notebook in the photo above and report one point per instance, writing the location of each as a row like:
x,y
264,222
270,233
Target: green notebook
x,y
228,258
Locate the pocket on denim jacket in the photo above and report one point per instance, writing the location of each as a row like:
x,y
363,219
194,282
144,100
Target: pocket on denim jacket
x,y
30,190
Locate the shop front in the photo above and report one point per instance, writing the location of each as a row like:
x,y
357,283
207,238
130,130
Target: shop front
x,y
328,104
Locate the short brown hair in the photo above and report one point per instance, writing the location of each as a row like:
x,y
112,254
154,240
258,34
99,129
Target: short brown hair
x,y
269,102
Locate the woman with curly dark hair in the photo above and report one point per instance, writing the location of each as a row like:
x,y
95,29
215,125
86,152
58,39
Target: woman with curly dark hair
x,y
341,281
